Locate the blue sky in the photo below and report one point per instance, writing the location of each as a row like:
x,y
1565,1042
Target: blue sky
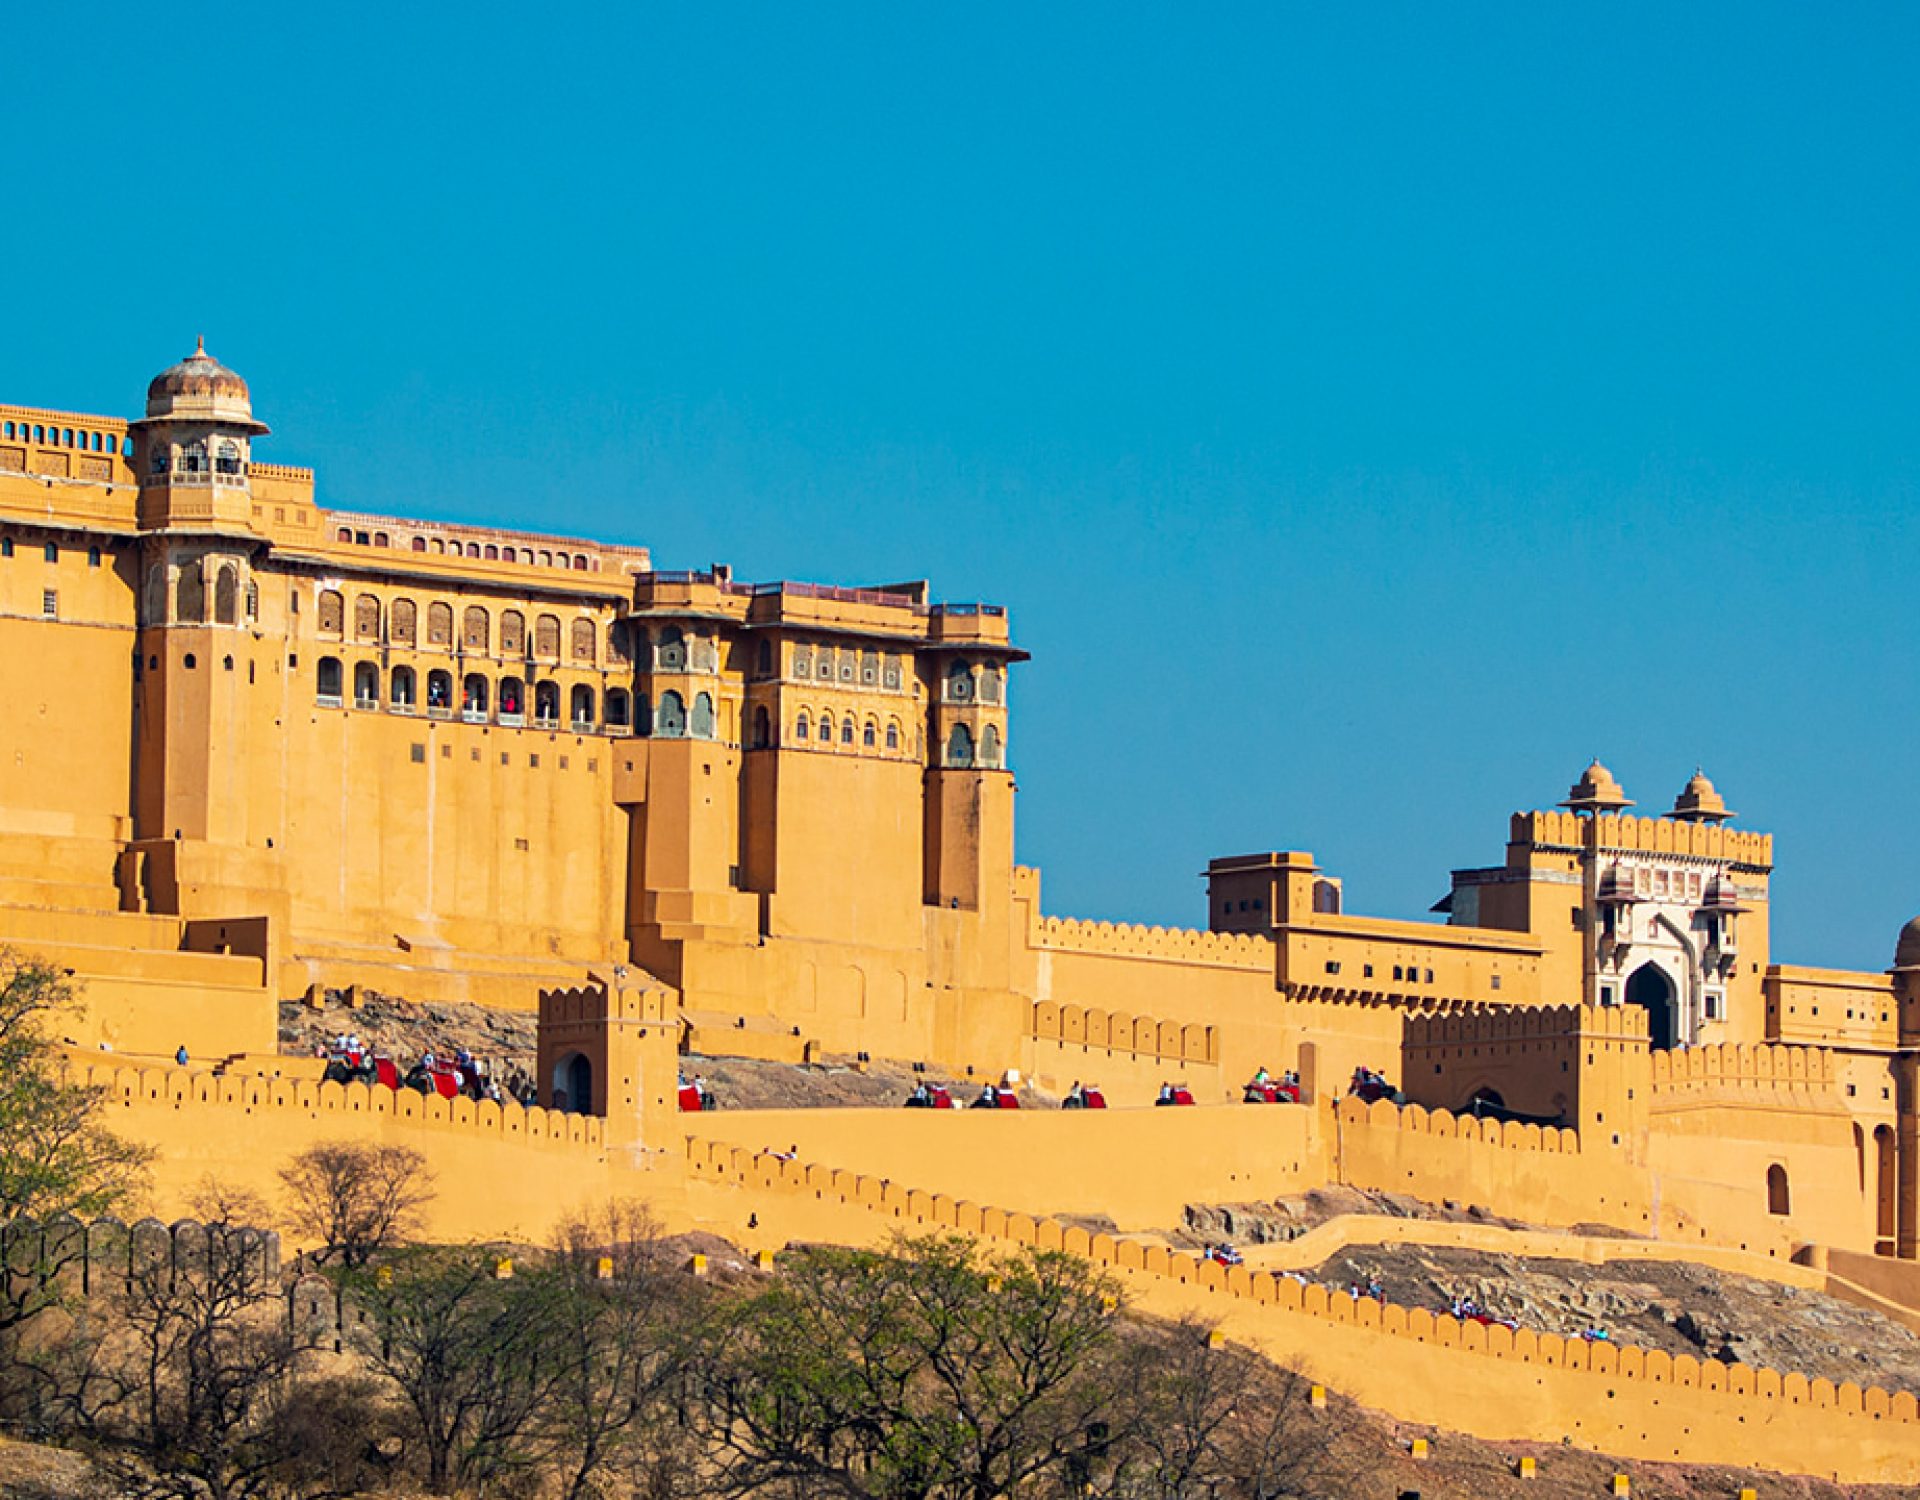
x,y
1367,413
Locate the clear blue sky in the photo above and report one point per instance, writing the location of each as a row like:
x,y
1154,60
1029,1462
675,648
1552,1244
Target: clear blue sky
x,y
1367,413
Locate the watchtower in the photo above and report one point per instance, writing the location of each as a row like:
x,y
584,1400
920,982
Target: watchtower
x,y
609,1048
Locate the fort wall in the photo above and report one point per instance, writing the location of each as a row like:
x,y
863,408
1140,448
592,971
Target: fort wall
x,y
1490,1382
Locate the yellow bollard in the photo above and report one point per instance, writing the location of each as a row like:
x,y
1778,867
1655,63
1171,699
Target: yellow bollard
x,y
1527,1469
1317,1397
1420,1448
1622,1485
503,1268
698,1265
764,1260
1216,1339
603,1268
1749,1493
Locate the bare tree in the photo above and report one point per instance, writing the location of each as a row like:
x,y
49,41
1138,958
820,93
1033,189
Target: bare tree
x,y
471,1355
360,1199
1212,1422
624,1323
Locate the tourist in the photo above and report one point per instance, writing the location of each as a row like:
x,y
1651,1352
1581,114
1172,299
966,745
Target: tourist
x,y
180,1057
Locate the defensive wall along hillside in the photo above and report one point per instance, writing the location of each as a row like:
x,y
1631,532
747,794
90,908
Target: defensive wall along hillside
x,y
1489,1382
499,1171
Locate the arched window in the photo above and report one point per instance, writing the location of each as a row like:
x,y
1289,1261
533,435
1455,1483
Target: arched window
x,y
190,595
227,461
402,621
440,545
959,682
826,729
893,735
582,706
990,746
846,730
845,657
762,727
400,694
546,638
327,681
546,703
366,685
546,558
439,624
366,619
226,595
890,673
581,648
990,683
419,544
474,629
513,701
193,458
439,691
492,552
671,720
800,727
513,633
579,562
673,650
703,716
764,658
332,616
960,746
617,708
870,735
869,668
1777,1202
473,696
381,539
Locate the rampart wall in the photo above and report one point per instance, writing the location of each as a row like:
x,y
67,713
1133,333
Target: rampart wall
x,y
1489,1382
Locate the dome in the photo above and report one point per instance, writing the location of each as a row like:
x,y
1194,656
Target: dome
x,y
1906,953
1596,791
1699,802
200,388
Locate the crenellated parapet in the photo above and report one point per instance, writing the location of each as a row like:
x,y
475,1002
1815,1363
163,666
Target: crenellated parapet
x,y
1497,1025
242,1095
1441,1124
1626,832
1116,1031
1173,944
1766,1066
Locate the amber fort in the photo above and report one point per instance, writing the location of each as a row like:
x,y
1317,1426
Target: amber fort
x,y
258,747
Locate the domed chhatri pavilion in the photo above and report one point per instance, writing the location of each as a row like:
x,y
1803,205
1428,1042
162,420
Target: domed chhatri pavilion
x,y
261,745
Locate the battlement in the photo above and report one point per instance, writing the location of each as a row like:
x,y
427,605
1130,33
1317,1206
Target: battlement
x,y
183,1088
1173,944
1759,1067
590,1004
1624,832
1483,1024
1772,1417
1119,1032
104,1254
1504,1135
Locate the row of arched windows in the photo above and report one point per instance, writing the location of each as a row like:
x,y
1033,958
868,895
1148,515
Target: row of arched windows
x,y
531,557
476,628
61,437
479,699
961,750
194,458
966,683
825,729
843,664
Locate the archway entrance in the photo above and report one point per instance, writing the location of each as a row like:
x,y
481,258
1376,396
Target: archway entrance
x,y
1650,988
573,1084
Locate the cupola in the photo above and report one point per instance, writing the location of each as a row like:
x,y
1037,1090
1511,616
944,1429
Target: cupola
x,y
1906,952
201,389
1596,792
1698,802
